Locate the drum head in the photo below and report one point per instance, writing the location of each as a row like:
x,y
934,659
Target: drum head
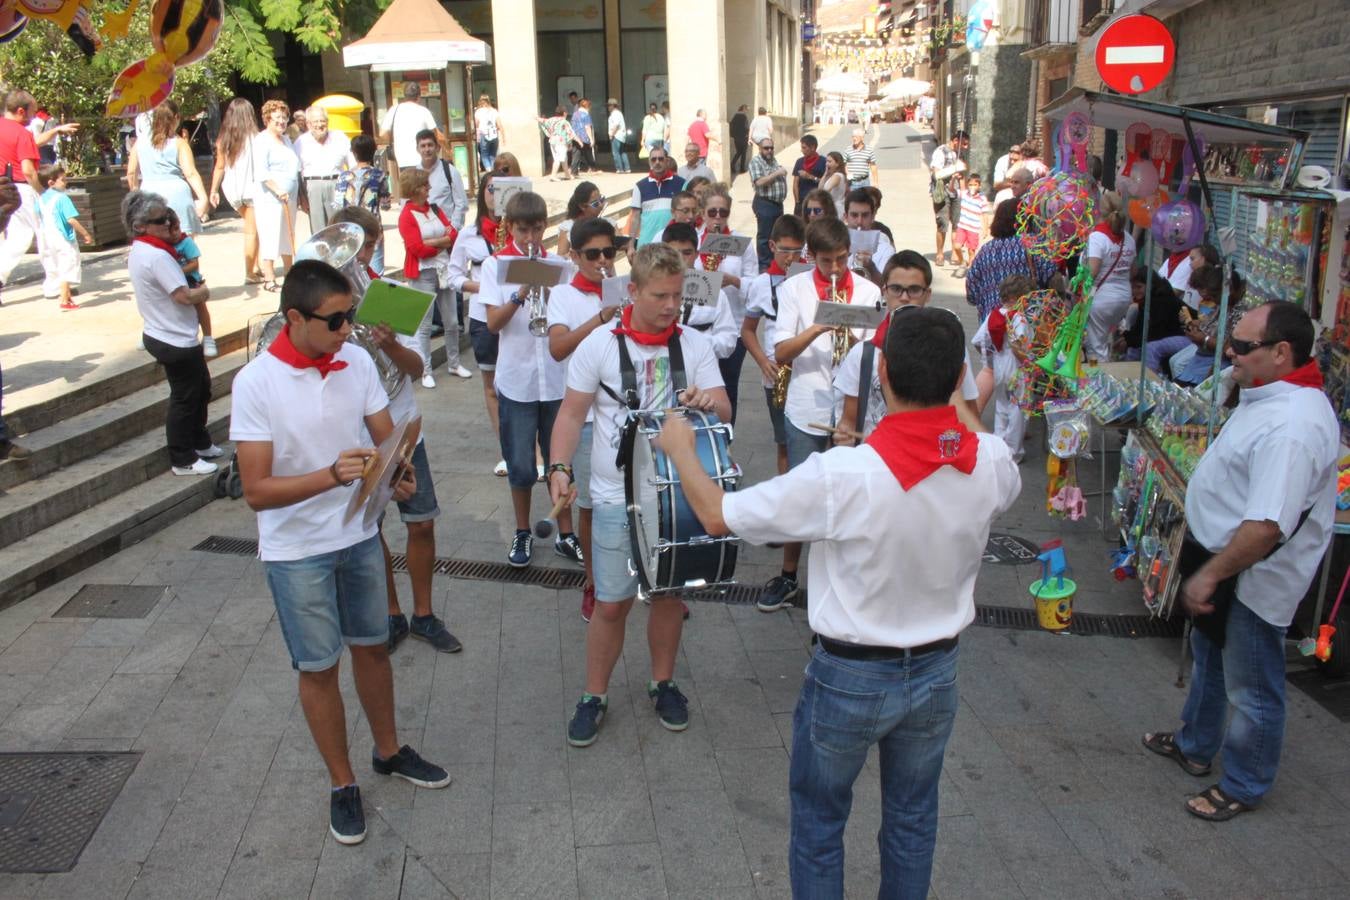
x,y
644,514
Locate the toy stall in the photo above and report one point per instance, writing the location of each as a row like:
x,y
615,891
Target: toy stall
x,y
1287,239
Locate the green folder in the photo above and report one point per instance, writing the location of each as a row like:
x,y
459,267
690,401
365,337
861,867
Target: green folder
x,y
396,305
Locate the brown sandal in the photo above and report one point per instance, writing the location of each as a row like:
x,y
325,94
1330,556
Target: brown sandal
x,y
1225,807
1164,743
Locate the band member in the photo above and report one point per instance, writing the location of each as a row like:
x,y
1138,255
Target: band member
x,y
907,281
530,382
715,321
736,274
786,243
648,362
418,512
301,415
814,352
860,212
898,527
574,311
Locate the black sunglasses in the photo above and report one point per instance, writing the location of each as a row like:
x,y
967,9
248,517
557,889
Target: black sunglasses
x,y
162,220
814,210
334,321
594,253
912,291
716,212
1242,348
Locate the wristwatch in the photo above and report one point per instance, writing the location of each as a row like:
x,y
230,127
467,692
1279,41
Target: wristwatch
x,y
517,299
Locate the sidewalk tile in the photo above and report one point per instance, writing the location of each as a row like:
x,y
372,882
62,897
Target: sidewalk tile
x,y
466,875
700,846
533,852
123,706
628,871
253,877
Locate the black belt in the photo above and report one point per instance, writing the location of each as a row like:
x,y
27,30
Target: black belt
x,y
865,652
322,177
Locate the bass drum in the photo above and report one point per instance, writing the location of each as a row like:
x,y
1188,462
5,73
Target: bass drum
x,y
671,551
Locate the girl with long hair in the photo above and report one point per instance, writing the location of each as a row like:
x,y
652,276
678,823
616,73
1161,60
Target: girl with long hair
x,y
233,175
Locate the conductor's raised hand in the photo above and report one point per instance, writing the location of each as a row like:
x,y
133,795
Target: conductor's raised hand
x,y
697,398
676,434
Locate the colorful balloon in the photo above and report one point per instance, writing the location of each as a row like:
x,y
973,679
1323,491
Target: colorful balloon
x,y
1142,208
1142,180
1178,226
182,32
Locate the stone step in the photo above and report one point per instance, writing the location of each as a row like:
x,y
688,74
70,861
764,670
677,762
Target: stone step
x,y
70,440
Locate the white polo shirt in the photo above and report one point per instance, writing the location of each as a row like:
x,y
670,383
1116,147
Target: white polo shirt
x,y
745,267
1275,457
717,323
526,371
810,396
889,567
596,362
324,160
849,374
466,264
309,420
155,275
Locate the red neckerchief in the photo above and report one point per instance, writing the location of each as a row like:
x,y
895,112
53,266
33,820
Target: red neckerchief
x,y
914,445
879,338
371,272
585,285
510,249
487,227
282,348
1175,259
662,177
823,285
645,338
156,242
1103,228
775,269
998,327
809,161
1307,375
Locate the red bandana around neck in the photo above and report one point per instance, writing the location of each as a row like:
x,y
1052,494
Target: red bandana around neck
x,y
823,285
155,242
1307,375
662,177
775,269
1103,228
645,338
510,249
914,445
809,162
487,227
372,273
284,350
585,285
998,327
1175,259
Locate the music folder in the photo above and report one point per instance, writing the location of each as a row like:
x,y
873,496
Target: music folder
x,y
851,315
396,305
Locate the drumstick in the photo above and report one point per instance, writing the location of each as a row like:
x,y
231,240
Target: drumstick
x,y
543,529
838,429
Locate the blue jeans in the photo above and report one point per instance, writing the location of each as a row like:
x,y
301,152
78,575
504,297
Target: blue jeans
x,y
731,374
1161,350
1248,674
523,425
766,213
620,158
907,706
487,153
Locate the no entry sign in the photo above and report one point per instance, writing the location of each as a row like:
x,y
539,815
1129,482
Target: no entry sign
x,y
1135,54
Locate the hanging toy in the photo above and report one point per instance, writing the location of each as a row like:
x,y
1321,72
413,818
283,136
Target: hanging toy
x,y
182,32
1142,209
1074,135
82,32
62,12
117,24
1178,226
1056,215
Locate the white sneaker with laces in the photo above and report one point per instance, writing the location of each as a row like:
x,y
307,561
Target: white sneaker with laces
x,y
212,452
500,469
428,381
460,372
200,467
209,347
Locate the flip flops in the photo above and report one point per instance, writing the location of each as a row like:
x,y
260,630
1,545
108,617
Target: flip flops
x,y
1164,743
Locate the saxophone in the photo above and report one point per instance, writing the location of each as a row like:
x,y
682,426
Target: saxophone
x,y
500,243
842,336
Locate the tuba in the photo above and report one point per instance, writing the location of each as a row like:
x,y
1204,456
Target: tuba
x,y
536,303
338,245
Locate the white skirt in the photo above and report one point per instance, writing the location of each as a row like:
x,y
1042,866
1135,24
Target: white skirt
x,y
274,239
60,263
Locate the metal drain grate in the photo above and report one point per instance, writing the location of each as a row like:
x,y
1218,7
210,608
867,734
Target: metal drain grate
x,y
51,804
113,601
572,579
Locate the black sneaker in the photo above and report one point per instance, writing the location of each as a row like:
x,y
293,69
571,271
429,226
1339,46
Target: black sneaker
x,y
585,725
569,548
398,631
778,593
346,818
406,764
522,546
672,707
432,630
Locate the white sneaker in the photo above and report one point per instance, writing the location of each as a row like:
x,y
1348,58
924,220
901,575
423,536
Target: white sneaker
x,y
500,468
428,381
140,343
460,372
540,469
212,452
200,467
209,347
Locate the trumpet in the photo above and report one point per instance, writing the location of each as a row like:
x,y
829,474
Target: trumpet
x,y
537,303
842,336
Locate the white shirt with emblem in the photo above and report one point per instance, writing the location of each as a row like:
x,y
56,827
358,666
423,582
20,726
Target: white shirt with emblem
x,y
526,371
849,374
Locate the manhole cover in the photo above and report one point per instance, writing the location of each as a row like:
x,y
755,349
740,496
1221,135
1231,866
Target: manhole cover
x,y
51,804
1010,550
113,601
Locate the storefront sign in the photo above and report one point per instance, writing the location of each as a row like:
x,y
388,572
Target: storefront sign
x,y
1135,54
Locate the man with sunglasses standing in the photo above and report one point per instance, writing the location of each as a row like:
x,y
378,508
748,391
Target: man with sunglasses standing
x,y
649,210
301,414
1259,514
770,182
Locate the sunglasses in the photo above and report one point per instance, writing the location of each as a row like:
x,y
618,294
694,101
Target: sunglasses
x,y
335,320
597,204
911,291
162,220
1242,348
593,253
656,159
714,212
815,210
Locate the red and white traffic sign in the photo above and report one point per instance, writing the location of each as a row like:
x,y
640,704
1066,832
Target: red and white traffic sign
x,y
1135,53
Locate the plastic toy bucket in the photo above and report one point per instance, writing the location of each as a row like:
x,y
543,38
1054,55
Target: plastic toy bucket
x,y
1054,604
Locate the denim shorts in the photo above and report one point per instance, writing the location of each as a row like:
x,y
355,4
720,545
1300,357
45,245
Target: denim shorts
x,y
581,466
611,552
522,425
330,599
422,505
775,417
800,445
484,345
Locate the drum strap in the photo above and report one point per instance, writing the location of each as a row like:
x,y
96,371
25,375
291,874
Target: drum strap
x,y
864,385
630,393
773,294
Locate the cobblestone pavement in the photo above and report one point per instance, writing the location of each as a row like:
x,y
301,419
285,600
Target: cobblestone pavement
x,y
1046,791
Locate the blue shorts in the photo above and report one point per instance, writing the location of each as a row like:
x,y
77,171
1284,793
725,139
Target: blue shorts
x,y
800,444
581,466
611,552
422,505
775,417
522,426
330,599
484,345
